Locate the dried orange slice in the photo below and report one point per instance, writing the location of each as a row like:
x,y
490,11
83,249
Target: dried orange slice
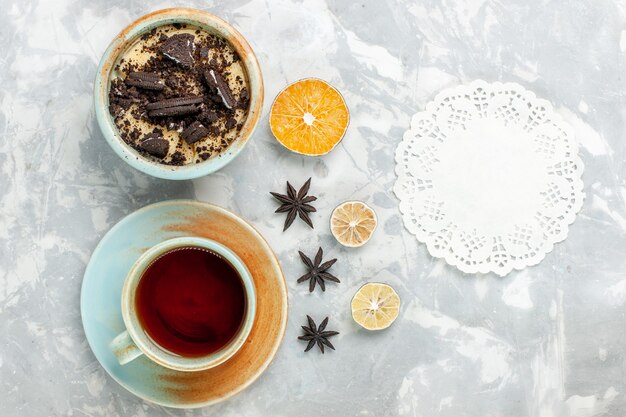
x,y
375,306
353,223
309,117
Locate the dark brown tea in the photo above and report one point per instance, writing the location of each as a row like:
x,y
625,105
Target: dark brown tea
x,y
191,301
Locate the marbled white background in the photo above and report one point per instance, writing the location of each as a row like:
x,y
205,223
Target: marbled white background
x,y
546,341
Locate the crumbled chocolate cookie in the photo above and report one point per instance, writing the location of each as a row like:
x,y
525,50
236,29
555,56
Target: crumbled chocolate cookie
x,y
230,123
154,144
174,82
145,80
208,116
177,106
219,86
178,158
244,96
179,48
194,132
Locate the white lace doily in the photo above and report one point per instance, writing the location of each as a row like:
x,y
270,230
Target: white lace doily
x,y
489,177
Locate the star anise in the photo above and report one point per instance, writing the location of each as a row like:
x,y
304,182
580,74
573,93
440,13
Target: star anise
x,y
317,273
296,204
319,335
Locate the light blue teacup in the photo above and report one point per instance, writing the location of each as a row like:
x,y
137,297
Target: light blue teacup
x,y
134,341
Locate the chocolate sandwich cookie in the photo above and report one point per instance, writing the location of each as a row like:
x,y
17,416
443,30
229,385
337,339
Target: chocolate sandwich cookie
x,y
179,48
194,132
178,106
154,144
219,86
145,80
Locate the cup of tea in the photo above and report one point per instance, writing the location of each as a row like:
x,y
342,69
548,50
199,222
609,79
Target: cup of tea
x,y
188,304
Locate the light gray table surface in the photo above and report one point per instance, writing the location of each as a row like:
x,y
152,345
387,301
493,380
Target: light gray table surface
x,y
546,341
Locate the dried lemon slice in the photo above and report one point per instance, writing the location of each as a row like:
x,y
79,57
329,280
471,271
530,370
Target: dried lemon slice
x,y
353,223
309,117
375,306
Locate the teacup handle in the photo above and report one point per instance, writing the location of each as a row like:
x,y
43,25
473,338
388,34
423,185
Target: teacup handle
x,y
124,348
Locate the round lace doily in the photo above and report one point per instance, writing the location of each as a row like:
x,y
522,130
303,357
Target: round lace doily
x,y
489,177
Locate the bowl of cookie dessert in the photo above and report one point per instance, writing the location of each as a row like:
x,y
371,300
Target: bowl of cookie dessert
x,y
178,93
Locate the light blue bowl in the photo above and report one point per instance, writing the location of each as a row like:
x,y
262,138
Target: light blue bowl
x,y
211,24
